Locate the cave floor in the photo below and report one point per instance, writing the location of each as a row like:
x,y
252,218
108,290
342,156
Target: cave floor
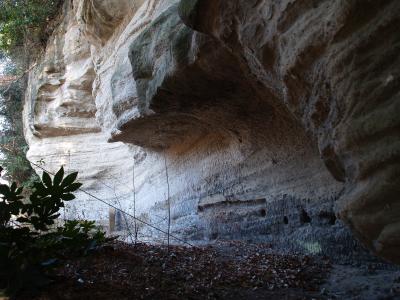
x,y
226,270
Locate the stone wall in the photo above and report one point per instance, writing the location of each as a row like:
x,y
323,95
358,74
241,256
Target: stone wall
x,y
262,120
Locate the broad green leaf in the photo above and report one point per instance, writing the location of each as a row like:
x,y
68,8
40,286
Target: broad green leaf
x,y
73,187
53,218
23,220
40,188
68,197
46,179
58,177
4,189
69,179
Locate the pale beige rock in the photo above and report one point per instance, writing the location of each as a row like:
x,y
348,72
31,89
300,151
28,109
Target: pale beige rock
x,y
257,117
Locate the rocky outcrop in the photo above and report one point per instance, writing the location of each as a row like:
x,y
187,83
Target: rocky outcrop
x,y
262,120
334,66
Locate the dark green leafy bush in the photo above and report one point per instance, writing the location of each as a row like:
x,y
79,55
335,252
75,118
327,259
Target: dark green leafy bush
x,y
30,243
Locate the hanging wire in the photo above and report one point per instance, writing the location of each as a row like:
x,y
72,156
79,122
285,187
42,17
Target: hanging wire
x,y
134,200
124,216
122,211
161,218
117,199
69,169
168,198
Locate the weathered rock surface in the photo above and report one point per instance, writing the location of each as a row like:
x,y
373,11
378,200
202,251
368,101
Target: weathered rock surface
x,y
260,119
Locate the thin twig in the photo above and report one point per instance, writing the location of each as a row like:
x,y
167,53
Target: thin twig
x,y
18,78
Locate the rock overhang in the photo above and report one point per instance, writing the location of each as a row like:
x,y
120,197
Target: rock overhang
x,y
281,80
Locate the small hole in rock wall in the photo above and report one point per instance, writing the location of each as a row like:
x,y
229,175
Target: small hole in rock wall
x,y
285,220
332,220
263,212
304,217
329,216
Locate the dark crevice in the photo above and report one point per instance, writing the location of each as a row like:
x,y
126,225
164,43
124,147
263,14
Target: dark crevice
x,y
329,216
263,212
304,217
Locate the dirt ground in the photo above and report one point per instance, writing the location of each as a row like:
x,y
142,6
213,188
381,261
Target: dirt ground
x,y
228,270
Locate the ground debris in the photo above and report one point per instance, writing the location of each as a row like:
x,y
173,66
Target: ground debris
x,y
231,270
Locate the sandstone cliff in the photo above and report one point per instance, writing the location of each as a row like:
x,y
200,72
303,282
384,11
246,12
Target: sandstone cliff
x,y
260,119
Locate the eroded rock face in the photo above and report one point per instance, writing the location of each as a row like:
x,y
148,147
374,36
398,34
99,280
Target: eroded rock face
x,y
267,119
334,64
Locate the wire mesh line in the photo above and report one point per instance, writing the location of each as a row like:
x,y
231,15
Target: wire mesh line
x,y
125,219
162,219
122,211
117,200
134,199
168,197
139,220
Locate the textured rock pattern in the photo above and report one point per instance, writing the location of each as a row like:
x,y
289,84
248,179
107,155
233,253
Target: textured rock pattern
x,y
268,119
334,64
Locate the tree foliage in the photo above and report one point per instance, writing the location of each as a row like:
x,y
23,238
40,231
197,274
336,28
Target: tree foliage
x,y
30,244
12,142
25,26
23,21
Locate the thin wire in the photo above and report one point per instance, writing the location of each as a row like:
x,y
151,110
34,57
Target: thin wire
x,y
124,212
134,199
168,198
125,219
123,195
